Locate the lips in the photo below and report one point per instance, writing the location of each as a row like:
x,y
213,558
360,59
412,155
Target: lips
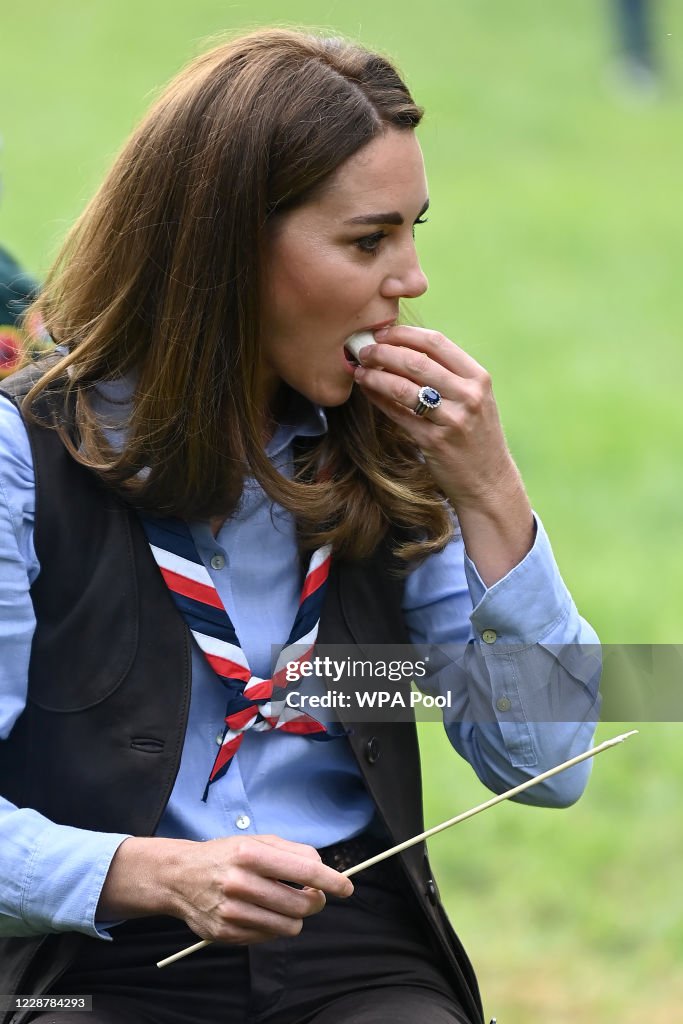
x,y
360,339
355,343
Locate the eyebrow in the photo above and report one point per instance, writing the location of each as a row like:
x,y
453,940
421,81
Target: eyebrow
x,y
394,217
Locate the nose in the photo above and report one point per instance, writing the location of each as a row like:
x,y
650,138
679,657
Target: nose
x,y
406,280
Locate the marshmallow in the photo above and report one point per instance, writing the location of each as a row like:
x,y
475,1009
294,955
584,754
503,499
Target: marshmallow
x,y
358,341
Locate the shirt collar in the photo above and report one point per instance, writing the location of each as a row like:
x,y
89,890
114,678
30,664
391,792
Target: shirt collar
x,y
301,419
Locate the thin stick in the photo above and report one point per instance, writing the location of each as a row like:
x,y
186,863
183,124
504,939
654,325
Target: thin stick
x,y
445,824
489,803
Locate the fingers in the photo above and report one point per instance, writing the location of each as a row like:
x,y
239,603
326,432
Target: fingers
x,y
436,346
242,918
393,372
273,858
237,889
459,396
248,896
278,858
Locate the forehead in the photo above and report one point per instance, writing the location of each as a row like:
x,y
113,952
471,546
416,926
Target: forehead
x,y
386,174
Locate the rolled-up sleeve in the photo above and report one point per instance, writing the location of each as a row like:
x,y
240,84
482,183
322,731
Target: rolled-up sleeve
x,y
520,666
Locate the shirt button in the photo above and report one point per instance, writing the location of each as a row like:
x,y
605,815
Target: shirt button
x,y
503,704
218,562
219,738
489,636
243,821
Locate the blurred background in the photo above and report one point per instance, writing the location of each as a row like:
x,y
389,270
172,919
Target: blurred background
x,y
554,146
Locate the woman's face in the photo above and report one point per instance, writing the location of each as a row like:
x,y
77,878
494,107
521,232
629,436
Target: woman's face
x,y
340,264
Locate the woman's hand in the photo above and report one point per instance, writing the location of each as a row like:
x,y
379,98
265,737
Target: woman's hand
x,y
227,890
462,440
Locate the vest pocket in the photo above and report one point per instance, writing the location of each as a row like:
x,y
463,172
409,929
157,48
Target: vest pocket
x,y
148,745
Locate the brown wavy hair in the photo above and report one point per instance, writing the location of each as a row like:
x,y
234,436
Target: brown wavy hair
x,y
161,275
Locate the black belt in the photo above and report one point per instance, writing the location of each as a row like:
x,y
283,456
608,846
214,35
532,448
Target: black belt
x,y
345,855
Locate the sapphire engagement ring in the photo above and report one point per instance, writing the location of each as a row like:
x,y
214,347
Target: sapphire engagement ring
x,y
427,399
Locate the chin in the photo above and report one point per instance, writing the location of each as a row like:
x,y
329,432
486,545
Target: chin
x,y
328,395
339,396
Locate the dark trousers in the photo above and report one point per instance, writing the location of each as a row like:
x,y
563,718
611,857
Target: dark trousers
x,y
365,960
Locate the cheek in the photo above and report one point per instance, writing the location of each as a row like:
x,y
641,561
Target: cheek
x,y
299,289
316,284
337,289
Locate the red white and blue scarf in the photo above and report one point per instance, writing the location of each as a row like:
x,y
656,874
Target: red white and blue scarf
x,y
253,703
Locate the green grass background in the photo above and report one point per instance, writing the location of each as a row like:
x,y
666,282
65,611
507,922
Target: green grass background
x,y
554,254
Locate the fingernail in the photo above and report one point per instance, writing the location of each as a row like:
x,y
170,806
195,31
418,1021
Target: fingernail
x,y
359,372
382,332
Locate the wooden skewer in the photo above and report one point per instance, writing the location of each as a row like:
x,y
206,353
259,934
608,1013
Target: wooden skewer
x,y
444,825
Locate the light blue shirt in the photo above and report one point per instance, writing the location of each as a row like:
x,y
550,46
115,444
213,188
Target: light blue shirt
x,y
51,875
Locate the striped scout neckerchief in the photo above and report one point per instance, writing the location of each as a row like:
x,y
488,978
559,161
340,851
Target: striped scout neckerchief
x,y
253,702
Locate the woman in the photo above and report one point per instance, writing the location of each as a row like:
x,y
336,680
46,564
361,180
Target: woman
x,y
204,418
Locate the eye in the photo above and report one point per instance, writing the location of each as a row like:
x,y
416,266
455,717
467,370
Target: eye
x,y
370,243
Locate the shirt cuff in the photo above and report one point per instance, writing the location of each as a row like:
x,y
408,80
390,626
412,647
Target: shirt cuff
x,y
64,877
526,604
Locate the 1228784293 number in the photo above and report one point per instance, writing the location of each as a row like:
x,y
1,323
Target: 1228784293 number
x,y
47,1002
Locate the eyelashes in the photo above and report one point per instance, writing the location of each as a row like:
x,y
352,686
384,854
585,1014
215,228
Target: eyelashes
x,y
370,243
